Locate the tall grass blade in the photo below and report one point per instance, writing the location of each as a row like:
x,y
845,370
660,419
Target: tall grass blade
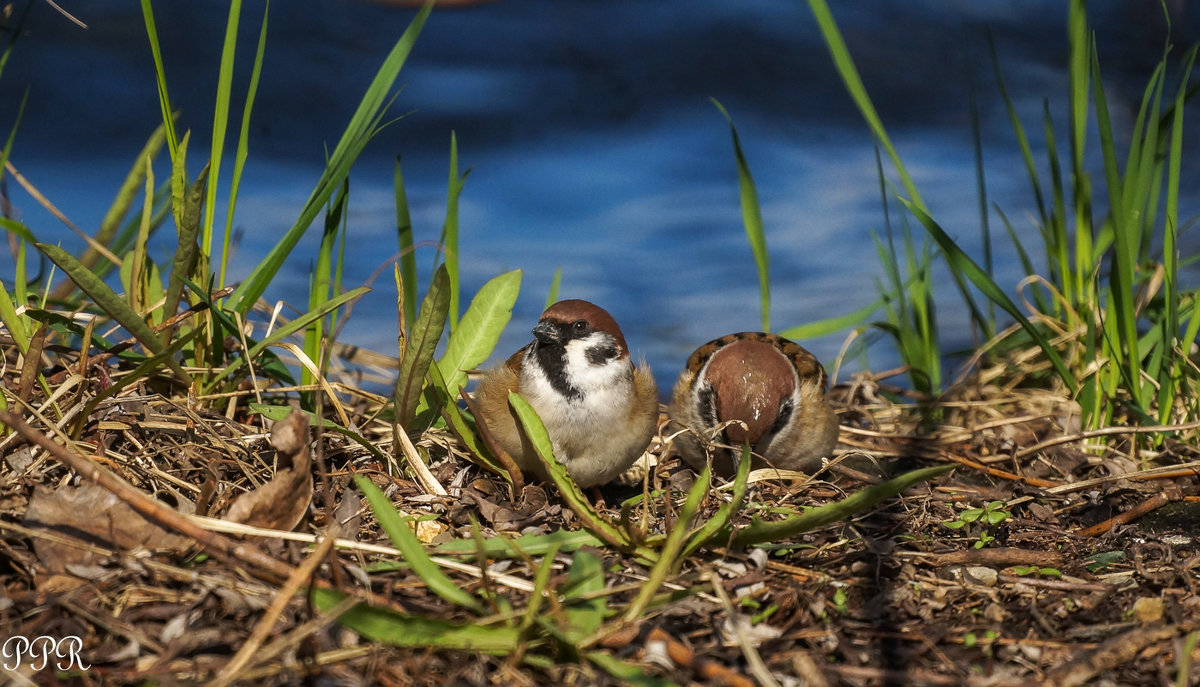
x,y
363,125
404,239
243,145
449,239
752,219
221,117
963,263
160,74
184,262
858,92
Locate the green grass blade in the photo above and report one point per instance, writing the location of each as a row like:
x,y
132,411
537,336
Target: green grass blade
x,y
761,532
283,332
858,92
484,321
401,533
564,541
555,283
963,263
752,219
160,74
184,262
418,632
812,330
243,145
362,127
669,558
449,238
221,117
14,323
421,347
404,238
111,303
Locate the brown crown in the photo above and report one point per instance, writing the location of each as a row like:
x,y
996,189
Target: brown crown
x,y
569,311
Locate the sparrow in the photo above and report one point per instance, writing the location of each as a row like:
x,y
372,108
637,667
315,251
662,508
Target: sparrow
x,y
773,385
598,408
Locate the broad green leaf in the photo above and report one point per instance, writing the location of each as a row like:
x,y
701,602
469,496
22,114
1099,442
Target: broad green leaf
x,y
243,145
471,343
584,578
555,283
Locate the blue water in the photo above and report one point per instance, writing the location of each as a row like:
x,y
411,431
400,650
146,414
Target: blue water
x,y
591,139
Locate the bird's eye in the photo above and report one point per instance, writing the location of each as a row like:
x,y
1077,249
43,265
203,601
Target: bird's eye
x,y
579,326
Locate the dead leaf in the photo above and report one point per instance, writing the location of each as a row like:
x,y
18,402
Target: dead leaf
x,y
91,514
282,502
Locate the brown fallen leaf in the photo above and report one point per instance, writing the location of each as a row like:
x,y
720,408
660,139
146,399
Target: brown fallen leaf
x,y
93,515
282,502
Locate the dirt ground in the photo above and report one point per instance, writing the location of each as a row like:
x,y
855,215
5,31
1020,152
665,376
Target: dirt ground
x,y
1084,573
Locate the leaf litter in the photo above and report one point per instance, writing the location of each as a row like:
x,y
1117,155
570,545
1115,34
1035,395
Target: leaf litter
x,y
207,549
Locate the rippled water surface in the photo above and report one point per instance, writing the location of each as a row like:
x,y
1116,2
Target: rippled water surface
x,y
591,140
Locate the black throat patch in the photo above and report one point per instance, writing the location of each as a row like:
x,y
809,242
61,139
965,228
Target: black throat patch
x,y
552,358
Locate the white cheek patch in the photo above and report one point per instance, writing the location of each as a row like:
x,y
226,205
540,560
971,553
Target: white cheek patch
x,y
587,376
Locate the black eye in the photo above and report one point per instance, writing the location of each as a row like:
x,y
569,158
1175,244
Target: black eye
x,y
579,326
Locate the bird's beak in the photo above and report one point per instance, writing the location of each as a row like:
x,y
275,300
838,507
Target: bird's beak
x,y
547,333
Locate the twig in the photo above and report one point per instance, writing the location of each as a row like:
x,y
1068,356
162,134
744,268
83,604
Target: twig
x,y
994,472
1110,655
1162,498
1002,556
